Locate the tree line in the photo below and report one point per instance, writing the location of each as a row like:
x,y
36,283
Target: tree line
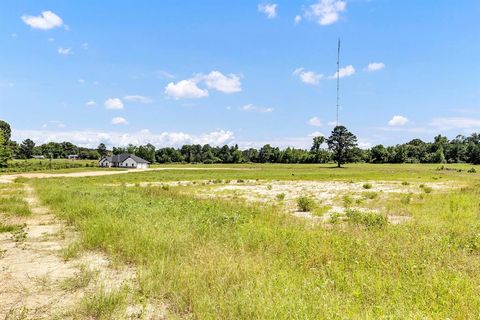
x,y
341,147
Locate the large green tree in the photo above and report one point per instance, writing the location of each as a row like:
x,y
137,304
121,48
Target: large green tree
x,y
5,153
6,131
342,143
26,149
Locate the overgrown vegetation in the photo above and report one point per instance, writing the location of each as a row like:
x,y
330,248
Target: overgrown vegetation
x,y
217,259
305,204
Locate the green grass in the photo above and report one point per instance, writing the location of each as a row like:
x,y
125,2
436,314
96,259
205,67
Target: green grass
x,y
32,165
102,304
14,205
9,227
212,259
325,172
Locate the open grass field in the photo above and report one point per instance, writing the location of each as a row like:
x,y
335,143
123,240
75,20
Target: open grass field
x,y
44,165
206,255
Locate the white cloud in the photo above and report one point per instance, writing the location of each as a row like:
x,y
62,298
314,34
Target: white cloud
x,y
64,51
253,108
332,123
13,35
344,72
375,66
138,98
455,123
85,45
185,89
91,139
113,103
308,77
226,84
51,39
316,134
326,12
269,9
91,103
119,120
298,19
81,81
54,124
398,121
47,20
315,122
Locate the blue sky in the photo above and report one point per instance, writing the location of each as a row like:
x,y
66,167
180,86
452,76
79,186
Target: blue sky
x,y
248,72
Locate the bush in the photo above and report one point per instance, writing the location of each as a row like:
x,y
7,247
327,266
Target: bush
x,y
305,204
368,219
370,195
427,189
405,183
472,170
347,201
280,196
367,186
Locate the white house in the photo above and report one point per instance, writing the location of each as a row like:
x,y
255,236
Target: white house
x,y
124,160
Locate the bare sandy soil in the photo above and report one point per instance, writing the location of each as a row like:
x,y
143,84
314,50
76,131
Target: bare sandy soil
x,y
327,194
37,283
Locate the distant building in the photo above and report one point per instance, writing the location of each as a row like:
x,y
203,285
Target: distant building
x,y
73,157
38,157
124,160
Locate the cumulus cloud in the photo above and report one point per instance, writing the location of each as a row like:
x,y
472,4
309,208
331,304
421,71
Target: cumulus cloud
x,y
113,103
375,66
138,98
215,80
223,83
119,120
91,103
269,9
185,89
326,12
398,121
91,139
455,123
254,108
344,72
45,21
297,19
315,122
54,124
316,134
64,51
308,77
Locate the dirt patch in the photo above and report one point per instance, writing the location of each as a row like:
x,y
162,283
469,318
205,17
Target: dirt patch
x,y
37,283
329,195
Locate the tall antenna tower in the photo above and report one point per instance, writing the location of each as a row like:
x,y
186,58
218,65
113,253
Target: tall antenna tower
x,y
338,80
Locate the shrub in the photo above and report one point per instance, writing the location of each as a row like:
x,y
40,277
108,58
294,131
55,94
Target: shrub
x,y
370,195
427,189
305,204
405,183
472,170
280,196
367,186
335,218
368,219
347,201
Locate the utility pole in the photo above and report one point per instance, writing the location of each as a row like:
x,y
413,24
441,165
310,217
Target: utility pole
x,y
338,80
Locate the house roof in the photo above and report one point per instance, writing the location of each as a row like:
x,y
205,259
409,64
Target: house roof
x,y
124,156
